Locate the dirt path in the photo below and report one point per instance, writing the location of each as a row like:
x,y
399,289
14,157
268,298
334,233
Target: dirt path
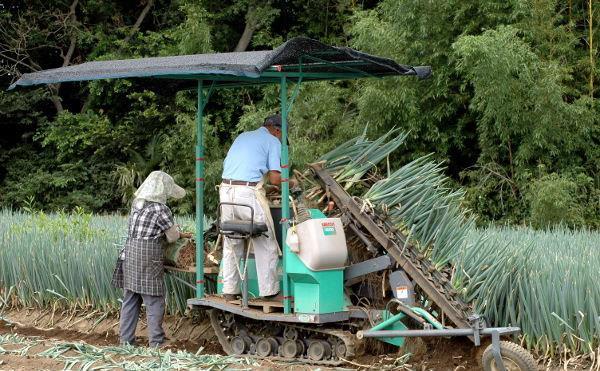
x,y
100,329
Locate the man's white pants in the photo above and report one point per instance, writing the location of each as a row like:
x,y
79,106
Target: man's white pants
x,y
265,248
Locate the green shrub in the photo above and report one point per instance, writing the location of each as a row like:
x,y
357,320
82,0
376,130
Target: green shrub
x,y
553,200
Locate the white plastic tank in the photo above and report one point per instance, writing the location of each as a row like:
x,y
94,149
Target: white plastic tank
x,y
319,243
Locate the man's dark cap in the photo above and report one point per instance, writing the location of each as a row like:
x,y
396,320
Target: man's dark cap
x,y
274,120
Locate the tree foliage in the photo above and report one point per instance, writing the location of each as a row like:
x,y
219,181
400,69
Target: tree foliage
x,y
511,107
509,95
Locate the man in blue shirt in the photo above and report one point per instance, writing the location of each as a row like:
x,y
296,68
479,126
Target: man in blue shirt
x,y
252,156
255,153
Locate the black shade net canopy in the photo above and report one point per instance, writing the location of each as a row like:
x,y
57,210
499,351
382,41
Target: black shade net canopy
x,y
299,57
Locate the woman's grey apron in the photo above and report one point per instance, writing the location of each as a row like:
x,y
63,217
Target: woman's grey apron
x,y
142,270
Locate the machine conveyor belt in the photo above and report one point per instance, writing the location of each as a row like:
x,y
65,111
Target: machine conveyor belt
x,y
434,283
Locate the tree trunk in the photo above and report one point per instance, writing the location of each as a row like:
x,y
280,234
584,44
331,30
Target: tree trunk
x,y
140,19
54,88
249,29
591,44
55,98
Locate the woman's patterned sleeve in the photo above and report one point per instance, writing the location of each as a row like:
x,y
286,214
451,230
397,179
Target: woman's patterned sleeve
x,y
165,218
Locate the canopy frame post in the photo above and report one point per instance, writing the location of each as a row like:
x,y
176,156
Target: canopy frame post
x,y
201,104
285,191
295,93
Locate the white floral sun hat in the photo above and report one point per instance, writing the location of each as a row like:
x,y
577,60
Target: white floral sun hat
x,y
158,187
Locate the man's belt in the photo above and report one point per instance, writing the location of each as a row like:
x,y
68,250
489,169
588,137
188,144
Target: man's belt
x,y
239,182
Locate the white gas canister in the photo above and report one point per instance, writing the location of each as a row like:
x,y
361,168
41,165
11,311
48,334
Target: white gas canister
x,y
322,243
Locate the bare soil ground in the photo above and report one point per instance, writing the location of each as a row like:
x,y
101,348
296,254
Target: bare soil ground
x,y
27,363
187,334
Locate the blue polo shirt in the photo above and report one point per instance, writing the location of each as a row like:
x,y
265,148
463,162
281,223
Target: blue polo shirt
x,y
252,155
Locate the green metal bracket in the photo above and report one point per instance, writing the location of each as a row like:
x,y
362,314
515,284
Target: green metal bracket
x,y
392,322
344,66
243,84
296,88
206,95
428,317
294,94
387,322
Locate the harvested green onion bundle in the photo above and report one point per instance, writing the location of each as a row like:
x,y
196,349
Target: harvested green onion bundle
x,y
181,253
350,161
417,198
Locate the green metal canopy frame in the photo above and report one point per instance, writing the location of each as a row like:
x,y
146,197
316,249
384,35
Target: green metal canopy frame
x,y
297,60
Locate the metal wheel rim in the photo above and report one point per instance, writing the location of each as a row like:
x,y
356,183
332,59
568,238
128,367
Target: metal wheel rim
x,y
264,347
341,350
290,333
286,348
237,343
316,351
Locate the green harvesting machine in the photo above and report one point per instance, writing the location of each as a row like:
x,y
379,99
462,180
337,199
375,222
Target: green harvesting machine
x,y
317,318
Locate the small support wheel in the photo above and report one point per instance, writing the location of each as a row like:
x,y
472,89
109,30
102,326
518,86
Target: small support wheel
x,y
292,348
515,358
341,349
290,333
338,346
264,347
301,348
319,350
240,344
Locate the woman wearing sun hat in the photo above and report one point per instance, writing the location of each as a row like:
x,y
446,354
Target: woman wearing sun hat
x,y
140,269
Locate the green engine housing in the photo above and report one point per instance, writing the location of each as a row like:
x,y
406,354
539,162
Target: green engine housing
x,y
313,292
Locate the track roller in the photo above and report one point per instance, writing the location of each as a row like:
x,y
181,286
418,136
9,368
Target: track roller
x,y
340,349
266,346
319,350
291,348
290,333
240,344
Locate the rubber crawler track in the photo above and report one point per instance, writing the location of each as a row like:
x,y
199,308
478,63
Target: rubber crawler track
x,y
350,340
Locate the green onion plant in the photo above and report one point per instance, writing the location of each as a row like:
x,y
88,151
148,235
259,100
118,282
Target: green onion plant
x,y
68,258
545,282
